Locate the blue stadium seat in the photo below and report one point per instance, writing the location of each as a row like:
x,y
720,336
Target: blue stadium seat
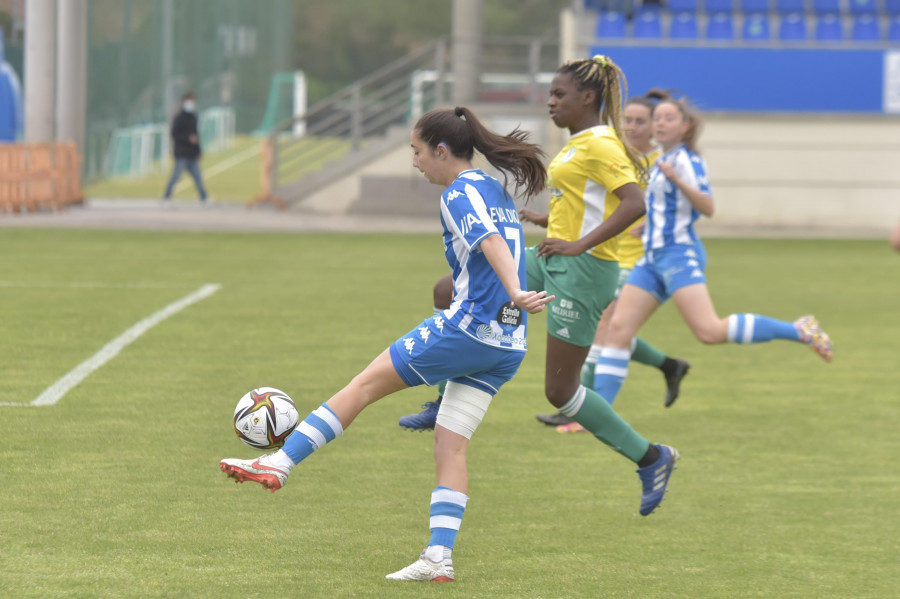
x,y
749,7
792,28
720,26
756,27
787,7
829,28
892,7
713,7
648,25
679,6
894,29
683,26
830,7
611,25
863,7
865,28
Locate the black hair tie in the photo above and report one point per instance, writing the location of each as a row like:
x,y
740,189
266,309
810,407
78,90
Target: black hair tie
x,y
458,111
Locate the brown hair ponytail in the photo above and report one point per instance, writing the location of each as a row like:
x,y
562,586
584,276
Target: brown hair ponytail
x,y
461,131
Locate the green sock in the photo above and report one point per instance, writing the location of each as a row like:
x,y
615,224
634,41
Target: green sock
x,y
647,354
597,416
587,374
441,386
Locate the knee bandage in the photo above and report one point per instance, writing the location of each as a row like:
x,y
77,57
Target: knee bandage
x,y
463,408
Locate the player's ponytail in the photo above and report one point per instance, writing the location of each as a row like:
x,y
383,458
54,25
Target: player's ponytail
x,y
461,131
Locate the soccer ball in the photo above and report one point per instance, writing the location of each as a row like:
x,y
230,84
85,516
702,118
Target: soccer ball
x,y
264,417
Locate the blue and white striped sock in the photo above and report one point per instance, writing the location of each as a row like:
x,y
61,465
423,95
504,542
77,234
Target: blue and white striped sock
x,y
753,328
447,508
317,429
610,372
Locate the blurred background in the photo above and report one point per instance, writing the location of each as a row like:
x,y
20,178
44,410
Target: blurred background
x,y
307,105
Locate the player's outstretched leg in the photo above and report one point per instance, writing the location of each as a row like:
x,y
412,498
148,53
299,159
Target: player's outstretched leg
x,y
271,470
811,334
655,478
261,470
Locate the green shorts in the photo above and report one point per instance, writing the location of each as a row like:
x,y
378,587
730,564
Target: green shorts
x,y
583,286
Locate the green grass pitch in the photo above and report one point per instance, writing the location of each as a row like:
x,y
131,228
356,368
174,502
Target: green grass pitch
x,y
788,485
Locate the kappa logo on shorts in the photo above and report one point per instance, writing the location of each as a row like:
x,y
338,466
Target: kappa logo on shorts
x,y
690,253
439,323
564,332
697,273
424,333
693,262
409,343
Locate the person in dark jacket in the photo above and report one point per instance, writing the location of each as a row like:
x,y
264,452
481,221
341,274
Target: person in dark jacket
x,y
186,147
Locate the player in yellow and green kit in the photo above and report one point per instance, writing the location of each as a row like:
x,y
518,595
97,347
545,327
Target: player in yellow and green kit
x,y
594,196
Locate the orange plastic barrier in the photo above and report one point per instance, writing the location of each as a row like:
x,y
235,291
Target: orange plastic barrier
x,y
267,154
39,176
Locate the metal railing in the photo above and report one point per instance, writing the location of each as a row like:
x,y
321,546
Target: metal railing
x,y
513,70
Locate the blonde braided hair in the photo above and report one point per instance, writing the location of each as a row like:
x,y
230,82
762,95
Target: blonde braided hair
x,y
608,82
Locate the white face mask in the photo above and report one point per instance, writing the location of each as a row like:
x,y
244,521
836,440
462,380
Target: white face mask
x,y
189,105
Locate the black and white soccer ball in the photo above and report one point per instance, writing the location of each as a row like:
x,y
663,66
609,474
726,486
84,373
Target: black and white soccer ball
x,y
264,417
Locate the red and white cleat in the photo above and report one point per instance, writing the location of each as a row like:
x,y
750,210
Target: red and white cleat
x,y
259,471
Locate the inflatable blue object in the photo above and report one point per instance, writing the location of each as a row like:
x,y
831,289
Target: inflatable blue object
x,y
10,99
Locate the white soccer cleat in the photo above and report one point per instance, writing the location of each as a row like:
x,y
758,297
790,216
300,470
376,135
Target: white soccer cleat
x,y
260,470
425,570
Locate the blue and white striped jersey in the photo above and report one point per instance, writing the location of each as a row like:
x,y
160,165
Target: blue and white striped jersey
x,y
670,214
474,206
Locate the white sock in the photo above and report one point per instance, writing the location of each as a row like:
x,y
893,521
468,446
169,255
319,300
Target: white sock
x,y
436,553
282,460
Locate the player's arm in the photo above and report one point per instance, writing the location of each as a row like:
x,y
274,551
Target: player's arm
x,y
702,201
497,253
631,207
533,217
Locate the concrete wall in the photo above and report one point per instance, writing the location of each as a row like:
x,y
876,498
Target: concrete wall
x,y
792,175
814,173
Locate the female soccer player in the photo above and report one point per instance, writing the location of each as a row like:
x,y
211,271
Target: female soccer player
x,y
639,134
477,344
594,196
674,261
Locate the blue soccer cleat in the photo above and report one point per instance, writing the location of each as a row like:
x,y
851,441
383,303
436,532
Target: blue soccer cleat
x,y
424,420
655,478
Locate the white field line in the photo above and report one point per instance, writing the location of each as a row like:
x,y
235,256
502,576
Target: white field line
x,y
220,167
54,392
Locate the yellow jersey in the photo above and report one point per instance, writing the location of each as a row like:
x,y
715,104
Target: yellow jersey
x,y
631,248
582,179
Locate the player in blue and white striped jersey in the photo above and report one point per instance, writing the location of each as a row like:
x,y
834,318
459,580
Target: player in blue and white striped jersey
x,y
674,261
477,344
